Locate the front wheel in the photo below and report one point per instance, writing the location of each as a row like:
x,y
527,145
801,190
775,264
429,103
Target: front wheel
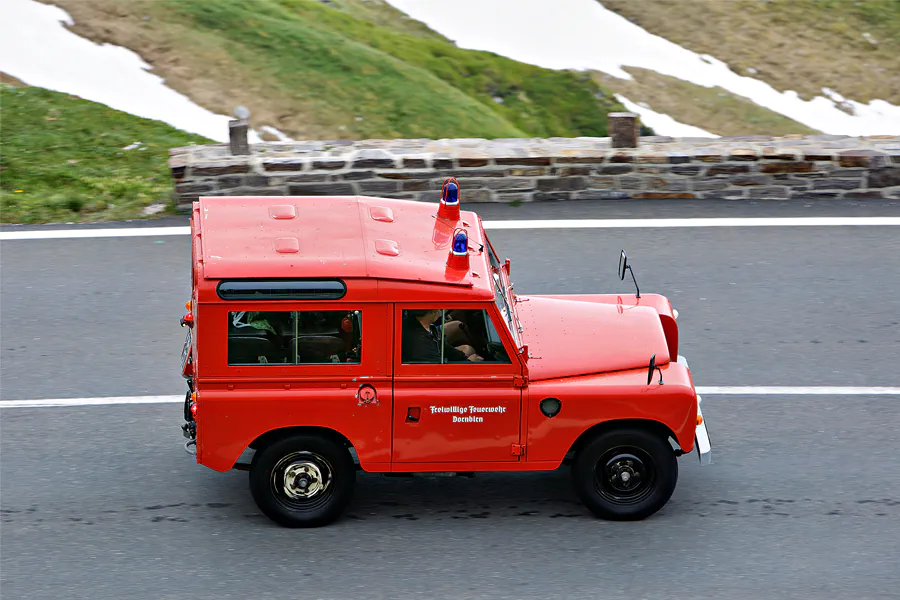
x,y
625,474
303,480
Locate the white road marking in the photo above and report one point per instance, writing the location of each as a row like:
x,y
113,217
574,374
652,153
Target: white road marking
x,y
103,401
55,234
702,390
797,391
699,222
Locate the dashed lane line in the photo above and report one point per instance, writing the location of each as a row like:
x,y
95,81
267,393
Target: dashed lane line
x,y
702,390
52,234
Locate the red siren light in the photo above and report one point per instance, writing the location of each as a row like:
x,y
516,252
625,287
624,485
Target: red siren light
x,y
449,199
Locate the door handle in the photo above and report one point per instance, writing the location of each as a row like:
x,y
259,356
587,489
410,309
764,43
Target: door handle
x,y
412,414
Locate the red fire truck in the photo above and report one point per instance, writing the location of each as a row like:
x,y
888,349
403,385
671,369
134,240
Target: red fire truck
x,y
328,335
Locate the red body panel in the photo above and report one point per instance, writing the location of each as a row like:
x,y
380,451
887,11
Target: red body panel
x,y
346,237
567,338
465,419
229,420
589,351
588,401
658,303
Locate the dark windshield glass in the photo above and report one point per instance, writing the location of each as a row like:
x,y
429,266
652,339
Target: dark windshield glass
x,y
503,305
495,262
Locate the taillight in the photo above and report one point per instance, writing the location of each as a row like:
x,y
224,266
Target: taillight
x,y
194,405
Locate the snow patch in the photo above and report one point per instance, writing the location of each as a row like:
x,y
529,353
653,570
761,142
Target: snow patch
x,y
582,34
282,137
36,48
662,124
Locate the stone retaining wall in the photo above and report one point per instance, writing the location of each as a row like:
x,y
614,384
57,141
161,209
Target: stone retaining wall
x,y
527,170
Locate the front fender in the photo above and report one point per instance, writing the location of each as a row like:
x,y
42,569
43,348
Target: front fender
x,y
611,397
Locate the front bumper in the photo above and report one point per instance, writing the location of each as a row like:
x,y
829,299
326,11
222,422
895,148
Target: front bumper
x,y
701,437
701,433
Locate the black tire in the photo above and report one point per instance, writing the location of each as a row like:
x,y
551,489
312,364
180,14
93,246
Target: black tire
x,y
604,474
305,480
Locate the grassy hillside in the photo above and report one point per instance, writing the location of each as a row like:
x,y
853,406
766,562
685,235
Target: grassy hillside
x,y
62,159
851,46
350,69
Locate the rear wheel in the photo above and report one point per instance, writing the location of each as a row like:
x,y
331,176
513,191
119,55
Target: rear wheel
x,y
304,480
625,474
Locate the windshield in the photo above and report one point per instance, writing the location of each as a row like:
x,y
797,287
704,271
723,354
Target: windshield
x,y
501,291
492,256
503,304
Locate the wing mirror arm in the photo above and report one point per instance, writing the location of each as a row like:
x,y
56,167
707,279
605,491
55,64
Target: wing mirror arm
x,y
624,266
653,368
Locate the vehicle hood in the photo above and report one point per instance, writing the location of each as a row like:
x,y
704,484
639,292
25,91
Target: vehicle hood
x,y
569,337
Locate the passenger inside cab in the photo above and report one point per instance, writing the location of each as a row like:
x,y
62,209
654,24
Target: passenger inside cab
x,y
423,341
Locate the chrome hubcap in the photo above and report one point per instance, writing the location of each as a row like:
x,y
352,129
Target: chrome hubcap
x,y
302,480
302,477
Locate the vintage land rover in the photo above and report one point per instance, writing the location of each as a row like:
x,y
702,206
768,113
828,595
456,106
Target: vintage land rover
x,y
332,334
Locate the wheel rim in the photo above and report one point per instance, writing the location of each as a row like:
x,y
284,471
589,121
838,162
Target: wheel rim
x,y
302,481
625,475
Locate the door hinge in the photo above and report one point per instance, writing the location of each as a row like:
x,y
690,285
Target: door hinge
x,y
518,449
519,381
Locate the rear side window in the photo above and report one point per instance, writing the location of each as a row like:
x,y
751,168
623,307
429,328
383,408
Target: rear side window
x,y
294,337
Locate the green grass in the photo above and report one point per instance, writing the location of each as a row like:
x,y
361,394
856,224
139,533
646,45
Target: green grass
x,y
384,15
401,84
61,159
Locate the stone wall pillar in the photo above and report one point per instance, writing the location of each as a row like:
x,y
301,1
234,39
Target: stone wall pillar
x,y
624,129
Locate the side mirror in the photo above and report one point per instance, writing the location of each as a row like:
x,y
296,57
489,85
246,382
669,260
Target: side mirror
x,y
652,368
624,266
506,266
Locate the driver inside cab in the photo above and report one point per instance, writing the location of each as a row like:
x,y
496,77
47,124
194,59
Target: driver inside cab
x,y
422,341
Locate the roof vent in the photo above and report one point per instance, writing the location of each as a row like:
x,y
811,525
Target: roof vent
x,y
287,245
381,213
282,211
387,247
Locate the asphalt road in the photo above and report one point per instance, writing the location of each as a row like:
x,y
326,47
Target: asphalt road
x,y
803,500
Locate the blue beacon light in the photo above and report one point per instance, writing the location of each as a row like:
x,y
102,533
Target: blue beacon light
x,y
460,244
451,195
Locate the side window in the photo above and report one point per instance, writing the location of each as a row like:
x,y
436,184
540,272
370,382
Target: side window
x,y
294,337
447,335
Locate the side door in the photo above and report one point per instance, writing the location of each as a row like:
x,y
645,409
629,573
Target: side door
x,y
449,407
